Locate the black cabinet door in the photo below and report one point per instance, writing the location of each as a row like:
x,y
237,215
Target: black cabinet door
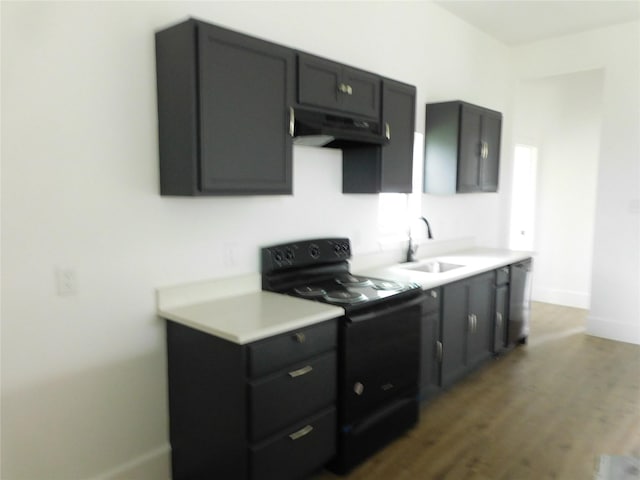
x,y
329,85
480,336
430,355
398,120
223,112
454,332
462,148
318,82
388,168
490,158
501,320
362,95
244,100
470,149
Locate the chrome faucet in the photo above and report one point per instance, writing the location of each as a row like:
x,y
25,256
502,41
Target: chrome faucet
x,y
412,249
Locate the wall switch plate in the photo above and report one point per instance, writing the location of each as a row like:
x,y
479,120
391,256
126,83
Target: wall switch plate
x,y
66,281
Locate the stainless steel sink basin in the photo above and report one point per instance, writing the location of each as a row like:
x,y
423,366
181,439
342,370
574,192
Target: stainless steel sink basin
x,y
432,266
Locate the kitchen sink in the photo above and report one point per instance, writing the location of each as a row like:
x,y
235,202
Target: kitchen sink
x,y
431,266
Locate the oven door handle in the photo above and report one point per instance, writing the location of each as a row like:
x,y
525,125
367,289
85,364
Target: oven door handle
x,y
375,312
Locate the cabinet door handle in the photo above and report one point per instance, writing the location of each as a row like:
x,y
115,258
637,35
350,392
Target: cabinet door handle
x,y
292,121
300,371
434,294
344,88
499,319
475,323
486,150
301,433
387,131
439,351
472,323
299,337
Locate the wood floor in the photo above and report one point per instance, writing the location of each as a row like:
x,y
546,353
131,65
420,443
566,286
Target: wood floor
x,y
547,410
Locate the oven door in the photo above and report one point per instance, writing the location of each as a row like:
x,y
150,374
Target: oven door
x,y
381,354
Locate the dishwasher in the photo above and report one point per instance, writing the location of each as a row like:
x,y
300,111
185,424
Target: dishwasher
x,y
519,303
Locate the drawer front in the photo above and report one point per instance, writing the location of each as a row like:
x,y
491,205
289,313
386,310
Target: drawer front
x,y
297,452
431,301
289,395
275,353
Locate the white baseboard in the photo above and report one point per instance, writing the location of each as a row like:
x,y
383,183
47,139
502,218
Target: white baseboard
x,y
153,465
614,330
566,298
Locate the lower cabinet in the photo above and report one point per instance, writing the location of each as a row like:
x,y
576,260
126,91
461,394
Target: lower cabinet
x,y
467,325
265,410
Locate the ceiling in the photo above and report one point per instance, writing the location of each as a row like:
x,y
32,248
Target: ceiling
x,y
516,22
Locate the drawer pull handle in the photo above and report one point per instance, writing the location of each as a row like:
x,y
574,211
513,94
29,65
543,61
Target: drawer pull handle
x,y
300,371
299,337
301,433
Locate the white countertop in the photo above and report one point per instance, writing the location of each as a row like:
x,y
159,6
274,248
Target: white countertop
x,y
243,314
473,260
237,310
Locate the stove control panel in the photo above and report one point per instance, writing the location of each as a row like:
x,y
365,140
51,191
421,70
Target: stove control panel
x,y
305,253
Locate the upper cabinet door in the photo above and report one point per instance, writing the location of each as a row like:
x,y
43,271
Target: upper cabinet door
x,y
470,148
223,112
318,81
490,156
398,121
329,85
362,92
244,100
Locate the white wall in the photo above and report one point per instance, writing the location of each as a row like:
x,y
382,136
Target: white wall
x,y
83,376
615,286
562,117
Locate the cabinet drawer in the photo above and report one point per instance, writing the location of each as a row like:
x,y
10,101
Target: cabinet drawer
x,y
297,452
277,352
431,301
289,395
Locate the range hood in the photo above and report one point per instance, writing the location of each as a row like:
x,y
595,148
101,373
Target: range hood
x,y
320,129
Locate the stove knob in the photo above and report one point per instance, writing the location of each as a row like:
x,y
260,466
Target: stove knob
x,y
289,254
314,250
278,256
358,388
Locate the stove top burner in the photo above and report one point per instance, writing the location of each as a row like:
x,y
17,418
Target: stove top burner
x,y
349,280
345,296
310,291
388,285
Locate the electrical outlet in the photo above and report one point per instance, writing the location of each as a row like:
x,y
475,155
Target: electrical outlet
x,y
230,254
66,281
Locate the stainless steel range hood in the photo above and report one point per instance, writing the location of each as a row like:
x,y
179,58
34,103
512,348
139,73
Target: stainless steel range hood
x,y
320,129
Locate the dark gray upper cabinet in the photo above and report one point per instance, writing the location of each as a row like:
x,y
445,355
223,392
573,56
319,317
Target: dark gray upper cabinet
x,y
223,112
325,84
387,168
462,148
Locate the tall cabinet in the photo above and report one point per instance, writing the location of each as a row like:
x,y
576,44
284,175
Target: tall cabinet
x,y
462,148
